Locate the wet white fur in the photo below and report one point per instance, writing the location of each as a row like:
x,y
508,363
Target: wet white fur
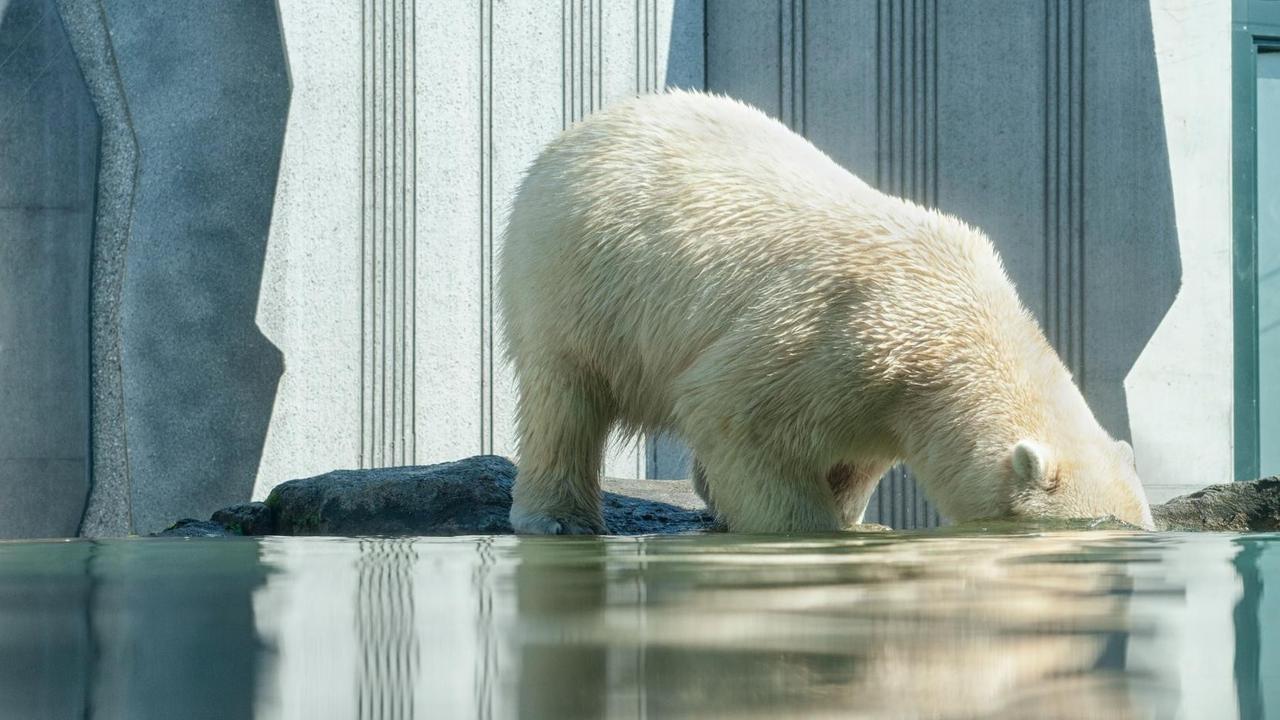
x,y
682,262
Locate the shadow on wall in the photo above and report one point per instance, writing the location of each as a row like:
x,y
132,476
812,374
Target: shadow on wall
x,y
1050,136
48,156
207,91
686,56
1132,260
1040,122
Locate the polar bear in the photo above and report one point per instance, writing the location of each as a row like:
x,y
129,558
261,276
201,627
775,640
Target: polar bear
x,y
682,262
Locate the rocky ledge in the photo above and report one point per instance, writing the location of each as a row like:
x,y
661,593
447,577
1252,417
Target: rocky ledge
x,y
1232,507
473,497
467,497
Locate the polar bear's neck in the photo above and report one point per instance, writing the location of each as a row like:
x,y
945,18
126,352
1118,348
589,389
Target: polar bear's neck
x,y
978,374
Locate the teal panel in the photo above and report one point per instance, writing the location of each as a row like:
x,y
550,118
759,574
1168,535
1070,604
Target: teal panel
x,y
1268,259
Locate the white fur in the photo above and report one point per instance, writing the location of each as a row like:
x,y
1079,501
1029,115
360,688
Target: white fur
x,y
682,262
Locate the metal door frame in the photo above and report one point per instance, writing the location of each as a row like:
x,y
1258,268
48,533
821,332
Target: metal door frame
x,y
1255,25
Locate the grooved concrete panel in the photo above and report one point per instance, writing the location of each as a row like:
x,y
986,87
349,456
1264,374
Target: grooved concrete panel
x,y
409,128
48,158
208,92
743,51
843,102
1040,122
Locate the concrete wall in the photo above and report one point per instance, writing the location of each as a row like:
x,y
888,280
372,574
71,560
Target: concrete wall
x,y
297,206
1180,389
1044,123
48,160
208,92
408,129
277,291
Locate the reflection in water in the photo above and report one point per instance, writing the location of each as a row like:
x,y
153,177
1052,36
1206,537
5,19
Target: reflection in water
x,y
775,629
1059,624
170,628
562,667
384,620
486,639
46,646
1249,642
1186,588
1257,657
129,629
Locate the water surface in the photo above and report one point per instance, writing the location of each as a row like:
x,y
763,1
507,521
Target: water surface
x,y
947,625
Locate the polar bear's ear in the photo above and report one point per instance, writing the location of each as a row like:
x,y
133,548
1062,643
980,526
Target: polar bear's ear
x,y
1031,464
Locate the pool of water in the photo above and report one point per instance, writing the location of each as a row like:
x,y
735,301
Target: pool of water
x,y
953,624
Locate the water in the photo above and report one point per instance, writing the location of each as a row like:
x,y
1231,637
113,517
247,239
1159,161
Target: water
x,y
945,625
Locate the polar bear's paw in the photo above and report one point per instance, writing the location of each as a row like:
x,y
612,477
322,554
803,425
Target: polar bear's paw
x,y
536,523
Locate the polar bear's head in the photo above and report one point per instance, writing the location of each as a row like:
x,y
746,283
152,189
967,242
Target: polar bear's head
x,y
1077,480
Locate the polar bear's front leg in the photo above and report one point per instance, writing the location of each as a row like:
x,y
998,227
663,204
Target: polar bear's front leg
x,y
699,480
563,418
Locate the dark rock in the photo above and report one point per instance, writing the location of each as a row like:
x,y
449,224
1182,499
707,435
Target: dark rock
x,y
471,496
189,527
1232,507
248,519
651,507
467,497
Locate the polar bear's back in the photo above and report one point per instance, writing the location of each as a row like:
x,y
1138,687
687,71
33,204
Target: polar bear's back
x,y
644,233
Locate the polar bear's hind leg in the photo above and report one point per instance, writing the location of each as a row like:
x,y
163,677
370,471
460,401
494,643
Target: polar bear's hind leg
x,y
563,419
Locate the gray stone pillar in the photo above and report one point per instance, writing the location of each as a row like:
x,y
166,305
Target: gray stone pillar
x,y
207,91
192,101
